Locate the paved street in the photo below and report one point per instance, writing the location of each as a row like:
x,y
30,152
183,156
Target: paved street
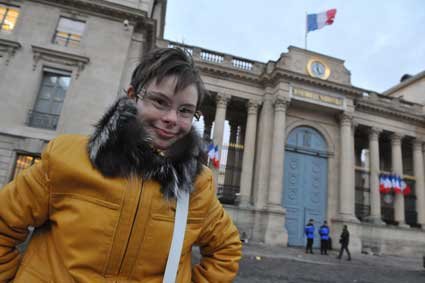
x,y
263,264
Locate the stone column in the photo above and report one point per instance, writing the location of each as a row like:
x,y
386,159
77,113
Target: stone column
x,y
249,153
278,151
231,154
418,167
276,233
238,158
346,181
262,172
375,197
220,116
397,166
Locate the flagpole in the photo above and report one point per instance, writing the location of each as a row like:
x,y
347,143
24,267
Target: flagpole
x,y
306,27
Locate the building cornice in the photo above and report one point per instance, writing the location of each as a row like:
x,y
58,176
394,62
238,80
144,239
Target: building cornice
x,y
278,73
100,8
272,79
393,110
229,73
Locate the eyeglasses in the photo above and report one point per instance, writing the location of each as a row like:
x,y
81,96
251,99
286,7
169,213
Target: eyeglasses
x,y
162,104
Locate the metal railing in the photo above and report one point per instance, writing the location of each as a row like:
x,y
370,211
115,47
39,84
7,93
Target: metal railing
x,y
42,120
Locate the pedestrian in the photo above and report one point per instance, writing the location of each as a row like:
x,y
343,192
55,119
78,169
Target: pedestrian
x,y
344,241
127,203
309,233
324,238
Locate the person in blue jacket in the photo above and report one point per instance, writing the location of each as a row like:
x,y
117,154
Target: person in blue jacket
x,y
324,238
309,233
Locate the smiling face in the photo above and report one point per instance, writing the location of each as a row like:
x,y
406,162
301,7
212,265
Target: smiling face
x,y
166,113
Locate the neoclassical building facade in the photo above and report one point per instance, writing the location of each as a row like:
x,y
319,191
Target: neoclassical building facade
x,y
296,139
305,143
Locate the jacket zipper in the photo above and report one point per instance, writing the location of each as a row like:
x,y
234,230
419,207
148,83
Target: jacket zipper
x,y
132,226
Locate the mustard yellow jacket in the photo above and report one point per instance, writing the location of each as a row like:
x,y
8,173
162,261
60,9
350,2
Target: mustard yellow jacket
x,y
91,228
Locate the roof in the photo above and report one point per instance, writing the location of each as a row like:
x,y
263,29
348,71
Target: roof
x,y
405,83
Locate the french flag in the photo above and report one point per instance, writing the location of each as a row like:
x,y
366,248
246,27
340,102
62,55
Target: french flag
x,y
318,21
405,188
213,155
382,184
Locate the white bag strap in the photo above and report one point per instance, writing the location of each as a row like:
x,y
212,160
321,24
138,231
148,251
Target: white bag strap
x,y
178,237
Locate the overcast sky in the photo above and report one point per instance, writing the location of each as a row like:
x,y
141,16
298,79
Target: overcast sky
x,y
379,40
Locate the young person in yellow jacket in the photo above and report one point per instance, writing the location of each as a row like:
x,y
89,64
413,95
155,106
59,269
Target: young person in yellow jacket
x,y
104,205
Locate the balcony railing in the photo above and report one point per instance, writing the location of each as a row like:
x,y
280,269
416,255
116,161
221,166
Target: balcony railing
x,y
242,64
227,60
42,120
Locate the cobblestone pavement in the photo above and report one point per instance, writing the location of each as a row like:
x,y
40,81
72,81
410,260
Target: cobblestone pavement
x,y
264,264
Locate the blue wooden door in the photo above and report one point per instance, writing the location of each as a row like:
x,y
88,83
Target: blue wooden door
x,y
305,183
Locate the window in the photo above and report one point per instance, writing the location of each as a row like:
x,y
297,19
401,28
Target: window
x,y
8,17
23,162
48,106
69,32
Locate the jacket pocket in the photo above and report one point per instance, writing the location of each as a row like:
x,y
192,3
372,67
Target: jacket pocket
x,y
73,214
165,223
92,200
26,274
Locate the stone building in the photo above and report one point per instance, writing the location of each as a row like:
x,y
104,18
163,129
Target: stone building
x,y
303,142
62,63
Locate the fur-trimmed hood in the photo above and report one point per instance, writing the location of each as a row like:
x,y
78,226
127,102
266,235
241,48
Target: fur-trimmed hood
x,y
120,147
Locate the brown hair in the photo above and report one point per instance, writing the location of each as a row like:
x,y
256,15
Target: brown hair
x,y
163,62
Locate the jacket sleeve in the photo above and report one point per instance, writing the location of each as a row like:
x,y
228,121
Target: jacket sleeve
x,y
220,245
23,202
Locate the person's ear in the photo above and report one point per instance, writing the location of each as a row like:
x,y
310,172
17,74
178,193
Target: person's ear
x,y
131,92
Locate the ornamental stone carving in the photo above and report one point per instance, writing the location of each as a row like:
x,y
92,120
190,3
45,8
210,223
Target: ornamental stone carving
x,y
222,100
396,139
281,104
346,119
374,133
252,106
59,57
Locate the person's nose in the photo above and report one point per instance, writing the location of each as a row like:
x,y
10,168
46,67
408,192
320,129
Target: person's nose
x,y
170,117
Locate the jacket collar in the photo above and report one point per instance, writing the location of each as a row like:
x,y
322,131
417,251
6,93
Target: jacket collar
x,y
120,147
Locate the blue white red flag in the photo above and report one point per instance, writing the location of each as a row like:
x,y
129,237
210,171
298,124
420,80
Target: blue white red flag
x,y
318,21
211,151
388,184
382,184
215,160
213,155
405,188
